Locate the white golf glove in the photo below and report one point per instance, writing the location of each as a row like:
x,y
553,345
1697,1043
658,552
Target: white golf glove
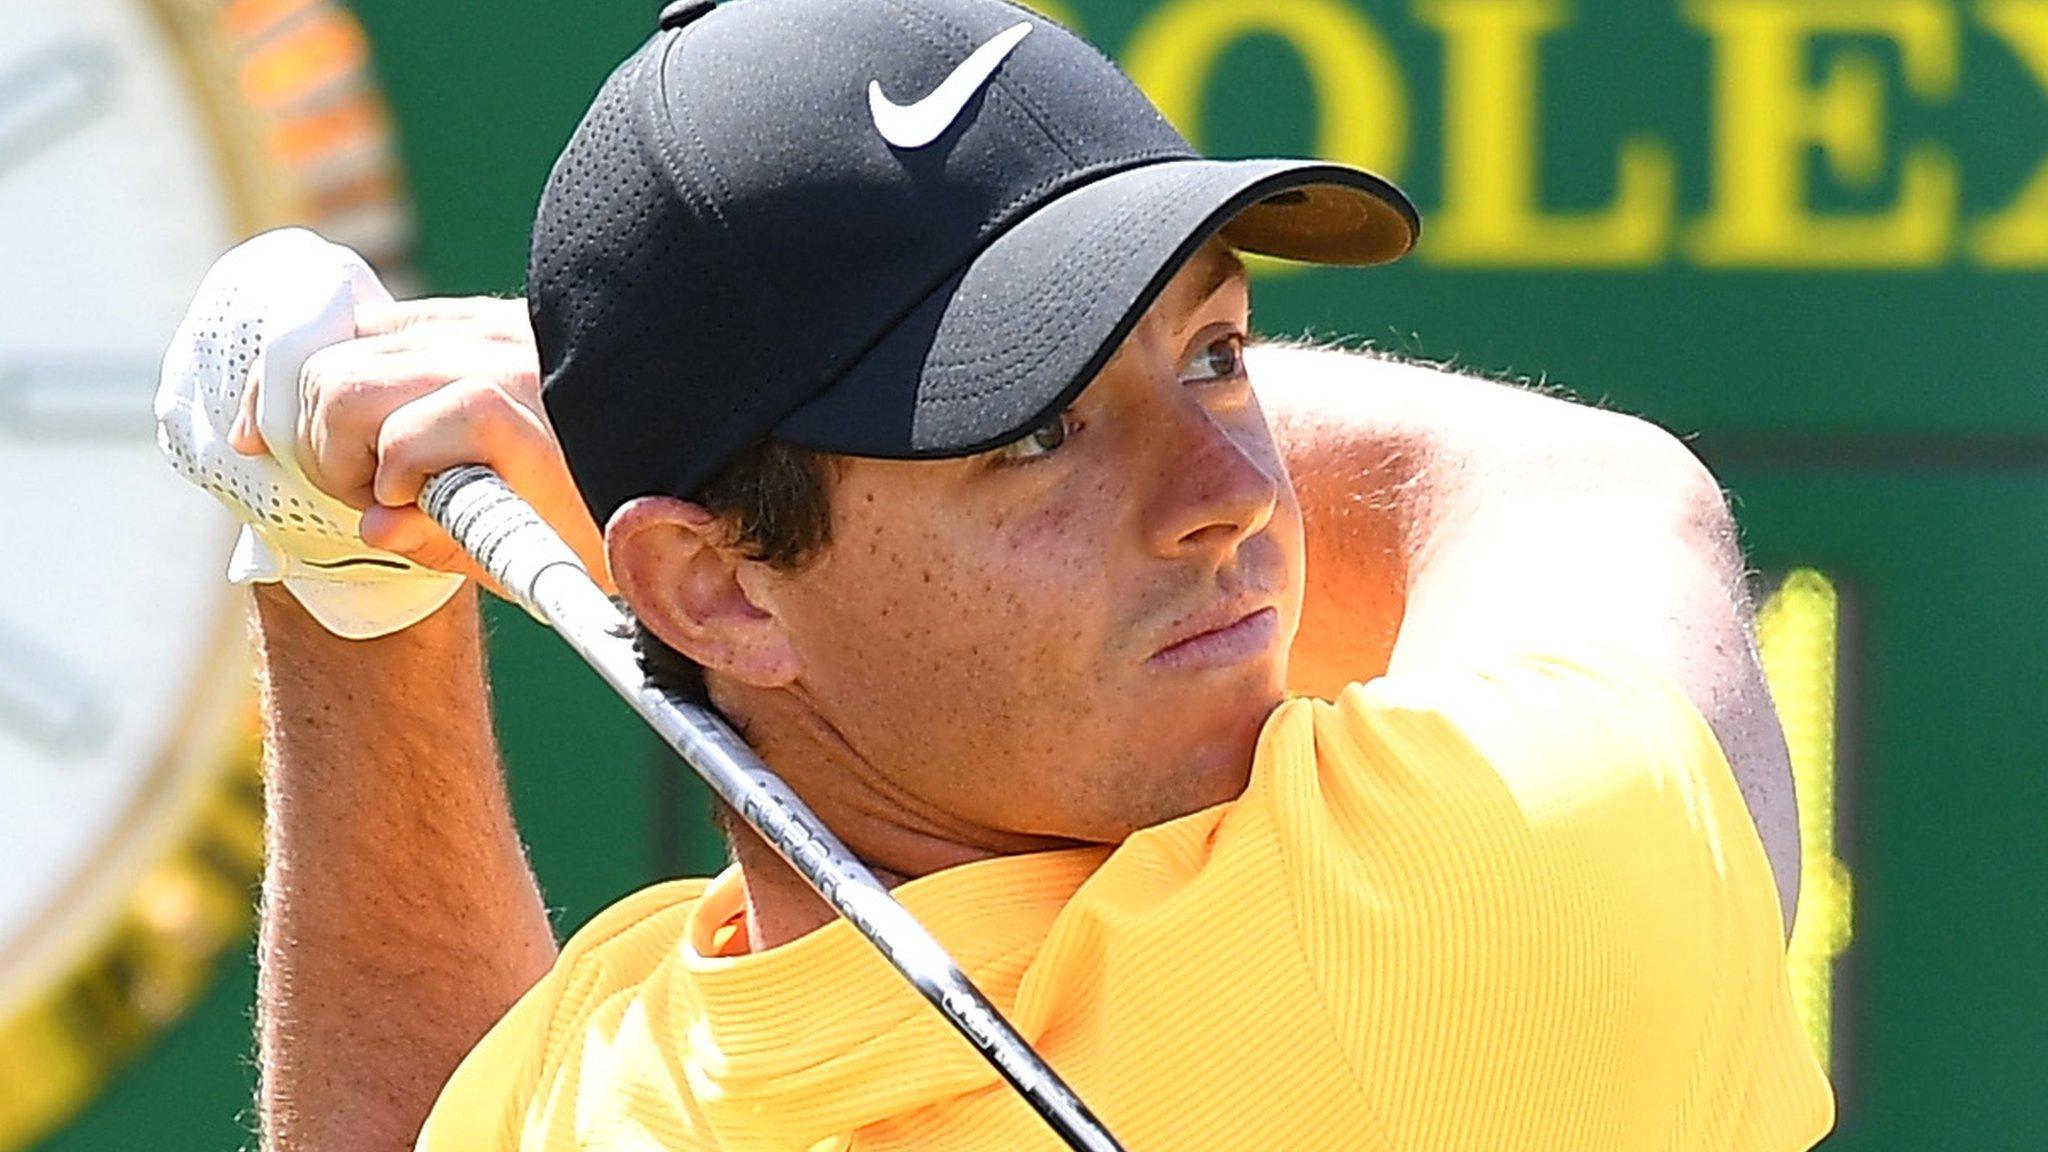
x,y
264,307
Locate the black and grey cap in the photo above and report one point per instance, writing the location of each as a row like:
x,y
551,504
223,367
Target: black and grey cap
x,y
898,228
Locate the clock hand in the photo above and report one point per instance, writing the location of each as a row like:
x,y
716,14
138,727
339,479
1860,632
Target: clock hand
x,y
76,399
44,698
47,92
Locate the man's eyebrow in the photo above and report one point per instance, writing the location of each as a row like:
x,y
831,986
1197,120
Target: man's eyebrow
x,y
1223,272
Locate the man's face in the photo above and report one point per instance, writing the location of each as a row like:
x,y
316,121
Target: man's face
x,y
1080,634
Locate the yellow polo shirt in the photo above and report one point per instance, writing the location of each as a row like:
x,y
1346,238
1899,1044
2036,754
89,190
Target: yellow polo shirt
x,y
1513,909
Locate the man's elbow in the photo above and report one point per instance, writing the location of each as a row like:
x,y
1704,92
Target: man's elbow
x,y
1721,672
1651,464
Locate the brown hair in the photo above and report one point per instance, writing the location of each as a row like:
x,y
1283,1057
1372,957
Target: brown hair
x,y
776,502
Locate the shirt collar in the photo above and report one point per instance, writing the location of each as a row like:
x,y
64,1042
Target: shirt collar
x,y
824,1034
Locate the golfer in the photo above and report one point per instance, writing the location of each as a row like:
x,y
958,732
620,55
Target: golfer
x,y
1304,749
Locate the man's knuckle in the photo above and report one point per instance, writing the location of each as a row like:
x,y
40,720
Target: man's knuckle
x,y
340,466
486,410
397,452
330,371
353,406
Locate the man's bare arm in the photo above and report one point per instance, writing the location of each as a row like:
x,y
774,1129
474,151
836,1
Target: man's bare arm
x,y
399,917
1453,518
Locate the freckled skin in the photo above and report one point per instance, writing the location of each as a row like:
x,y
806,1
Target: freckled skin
x,y
1009,687
967,663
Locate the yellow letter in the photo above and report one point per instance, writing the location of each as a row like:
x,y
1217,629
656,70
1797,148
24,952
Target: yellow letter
x,y
1766,117
2018,236
1362,107
1490,213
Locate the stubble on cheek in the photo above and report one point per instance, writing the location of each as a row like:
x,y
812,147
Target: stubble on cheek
x,y
1111,748
931,624
993,665
1077,550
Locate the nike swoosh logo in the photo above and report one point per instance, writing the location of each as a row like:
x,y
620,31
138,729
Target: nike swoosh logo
x,y
916,125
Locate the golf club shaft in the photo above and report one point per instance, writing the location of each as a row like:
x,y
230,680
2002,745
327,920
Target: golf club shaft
x,y
532,564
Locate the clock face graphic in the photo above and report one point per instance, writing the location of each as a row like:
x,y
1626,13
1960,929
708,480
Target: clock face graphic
x,y
139,139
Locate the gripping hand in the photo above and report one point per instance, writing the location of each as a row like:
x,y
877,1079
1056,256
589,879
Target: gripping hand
x,y
263,308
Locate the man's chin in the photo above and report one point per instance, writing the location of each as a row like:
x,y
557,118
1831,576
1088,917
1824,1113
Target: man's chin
x,y
1238,744
1201,758
1192,796
1215,773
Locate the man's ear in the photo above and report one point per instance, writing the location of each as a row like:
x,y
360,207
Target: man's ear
x,y
672,564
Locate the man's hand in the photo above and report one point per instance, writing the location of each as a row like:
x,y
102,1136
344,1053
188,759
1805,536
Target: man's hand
x,y
427,385
264,307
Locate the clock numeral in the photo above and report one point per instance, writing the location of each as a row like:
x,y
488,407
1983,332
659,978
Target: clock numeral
x,y
45,699
48,93
77,400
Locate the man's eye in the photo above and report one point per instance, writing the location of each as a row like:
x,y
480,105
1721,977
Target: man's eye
x,y
1220,359
1040,441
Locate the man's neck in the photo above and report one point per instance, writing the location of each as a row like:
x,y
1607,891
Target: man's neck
x,y
780,905
897,841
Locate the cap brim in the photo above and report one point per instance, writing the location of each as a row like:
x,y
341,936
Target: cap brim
x,y
1035,315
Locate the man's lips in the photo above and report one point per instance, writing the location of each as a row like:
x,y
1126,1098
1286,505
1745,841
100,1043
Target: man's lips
x,y
1213,643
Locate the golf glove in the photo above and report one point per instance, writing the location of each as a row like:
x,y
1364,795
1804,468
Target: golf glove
x,y
262,309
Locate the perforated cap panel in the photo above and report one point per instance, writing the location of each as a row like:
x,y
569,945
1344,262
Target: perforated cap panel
x,y
732,236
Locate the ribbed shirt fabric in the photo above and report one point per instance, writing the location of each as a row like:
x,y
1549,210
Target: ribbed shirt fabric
x,y
1515,908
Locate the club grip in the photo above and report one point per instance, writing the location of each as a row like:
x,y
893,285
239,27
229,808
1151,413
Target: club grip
x,y
501,531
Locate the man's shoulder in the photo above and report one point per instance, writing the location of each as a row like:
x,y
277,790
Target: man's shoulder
x,y
499,1098
1580,702
1564,814
1565,676
657,910
1566,733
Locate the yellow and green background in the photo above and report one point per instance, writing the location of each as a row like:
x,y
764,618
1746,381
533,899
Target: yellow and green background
x,y
1811,235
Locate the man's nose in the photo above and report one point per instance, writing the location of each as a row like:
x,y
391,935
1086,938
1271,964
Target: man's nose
x,y
1210,493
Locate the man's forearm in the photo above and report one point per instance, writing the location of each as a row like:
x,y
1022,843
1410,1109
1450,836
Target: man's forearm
x,y
1450,518
400,919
